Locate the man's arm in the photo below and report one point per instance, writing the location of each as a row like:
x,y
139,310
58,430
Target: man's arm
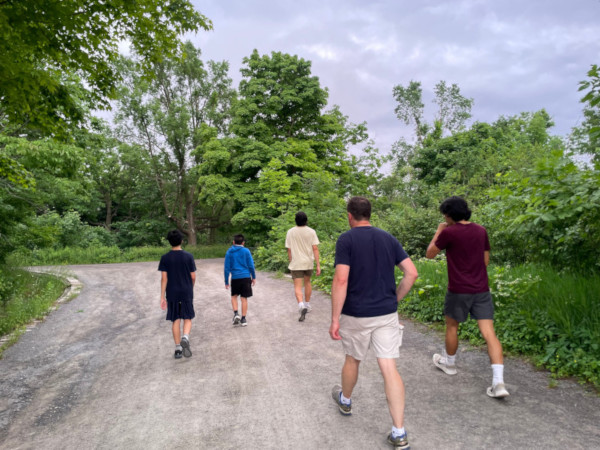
x,y
316,255
432,250
486,257
409,278
193,277
163,290
339,288
289,254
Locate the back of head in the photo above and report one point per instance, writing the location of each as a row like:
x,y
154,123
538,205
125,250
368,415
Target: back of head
x,y
360,208
301,219
456,208
238,239
175,238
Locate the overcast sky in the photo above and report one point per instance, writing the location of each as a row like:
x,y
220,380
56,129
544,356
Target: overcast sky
x,y
510,56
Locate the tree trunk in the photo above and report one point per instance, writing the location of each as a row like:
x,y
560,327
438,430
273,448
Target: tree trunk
x,y
109,214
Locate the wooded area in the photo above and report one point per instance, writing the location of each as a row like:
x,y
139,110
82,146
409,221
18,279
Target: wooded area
x,y
189,150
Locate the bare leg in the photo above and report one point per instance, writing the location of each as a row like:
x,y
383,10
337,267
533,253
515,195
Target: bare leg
x,y
244,305
307,289
349,375
394,389
451,336
187,326
494,346
177,331
234,302
298,289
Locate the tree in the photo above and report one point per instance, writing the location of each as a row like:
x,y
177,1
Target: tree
x,y
168,118
57,54
586,138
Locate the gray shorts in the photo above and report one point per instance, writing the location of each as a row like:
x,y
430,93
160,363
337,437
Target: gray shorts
x,y
380,332
459,306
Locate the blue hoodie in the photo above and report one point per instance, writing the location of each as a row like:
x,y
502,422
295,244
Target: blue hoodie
x,y
239,263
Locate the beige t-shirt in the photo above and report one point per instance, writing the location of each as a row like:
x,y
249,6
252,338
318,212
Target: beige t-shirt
x,y
300,240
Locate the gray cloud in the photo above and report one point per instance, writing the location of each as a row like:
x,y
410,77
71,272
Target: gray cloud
x,y
509,56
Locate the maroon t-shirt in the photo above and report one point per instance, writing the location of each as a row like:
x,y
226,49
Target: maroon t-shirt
x,y
465,245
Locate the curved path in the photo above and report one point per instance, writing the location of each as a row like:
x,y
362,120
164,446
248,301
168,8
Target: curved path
x,y
99,373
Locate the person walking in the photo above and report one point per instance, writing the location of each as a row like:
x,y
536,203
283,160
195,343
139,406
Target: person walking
x,y
302,244
240,265
468,254
178,276
364,309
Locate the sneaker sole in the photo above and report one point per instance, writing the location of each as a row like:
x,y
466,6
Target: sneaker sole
x,y
236,320
335,395
187,352
177,356
245,324
501,394
443,368
302,315
403,447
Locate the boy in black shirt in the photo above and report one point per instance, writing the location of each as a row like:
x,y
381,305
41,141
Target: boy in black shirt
x,y
177,291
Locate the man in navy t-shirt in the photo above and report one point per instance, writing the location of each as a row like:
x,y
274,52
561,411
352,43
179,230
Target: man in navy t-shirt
x,y
468,254
364,313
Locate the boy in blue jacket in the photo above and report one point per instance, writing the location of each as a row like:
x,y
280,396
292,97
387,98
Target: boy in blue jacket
x,y
239,263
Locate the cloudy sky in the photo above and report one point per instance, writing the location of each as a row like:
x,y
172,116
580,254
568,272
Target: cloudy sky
x,y
510,56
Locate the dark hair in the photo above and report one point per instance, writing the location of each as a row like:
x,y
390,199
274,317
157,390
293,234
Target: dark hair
x,y
301,218
360,208
175,237
456,208
238,239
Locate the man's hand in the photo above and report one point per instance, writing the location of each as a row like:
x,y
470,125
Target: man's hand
x,y
226,286
334,330
253,282
163,303
442,226
318,269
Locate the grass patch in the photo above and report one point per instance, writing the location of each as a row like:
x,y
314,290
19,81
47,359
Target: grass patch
x,y
103,255
30,297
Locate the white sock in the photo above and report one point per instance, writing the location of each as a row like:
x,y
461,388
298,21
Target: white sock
x,y
396,432
178,347
187,336
344,400
498,374
300,305
450,360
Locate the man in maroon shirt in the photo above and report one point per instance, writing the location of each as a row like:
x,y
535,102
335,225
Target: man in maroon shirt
x,y
468,254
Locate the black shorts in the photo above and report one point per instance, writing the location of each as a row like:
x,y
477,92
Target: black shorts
x,y
180,310
459,306
241,287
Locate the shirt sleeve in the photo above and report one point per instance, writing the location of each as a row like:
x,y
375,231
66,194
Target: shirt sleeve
x,y
288,244
401,254
226,268
443,239
192,263
487,241
315,238
251,265
342,250
161,265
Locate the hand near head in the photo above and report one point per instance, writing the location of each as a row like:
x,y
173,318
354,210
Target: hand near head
x,y
442,226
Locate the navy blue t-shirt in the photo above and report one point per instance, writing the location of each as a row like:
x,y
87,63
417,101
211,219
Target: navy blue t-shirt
x,y
372,255
178,264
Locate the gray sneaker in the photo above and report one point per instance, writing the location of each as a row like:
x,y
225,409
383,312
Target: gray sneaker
x,y
185,344
399,442
303,312
236,318
441,363
497,391
336,394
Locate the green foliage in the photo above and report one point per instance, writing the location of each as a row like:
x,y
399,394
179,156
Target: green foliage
x,y
555,211
554,317
43,43
29,297
587,137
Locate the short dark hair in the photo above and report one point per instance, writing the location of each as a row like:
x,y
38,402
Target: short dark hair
x,y
301,218
175,237
360,208
238,239
456,208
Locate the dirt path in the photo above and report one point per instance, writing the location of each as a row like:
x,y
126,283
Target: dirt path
x,y
99,373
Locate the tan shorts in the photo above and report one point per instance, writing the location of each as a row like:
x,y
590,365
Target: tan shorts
x,y
380,332
301,273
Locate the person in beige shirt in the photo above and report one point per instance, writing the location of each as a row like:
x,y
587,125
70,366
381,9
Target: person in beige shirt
x,y
303,251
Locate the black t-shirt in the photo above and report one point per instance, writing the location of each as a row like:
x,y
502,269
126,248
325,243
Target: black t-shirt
x,y
372,255
178,264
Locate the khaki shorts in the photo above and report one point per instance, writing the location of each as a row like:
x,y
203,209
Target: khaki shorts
x,y
380,332
301,273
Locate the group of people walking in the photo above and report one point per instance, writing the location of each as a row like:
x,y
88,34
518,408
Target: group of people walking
x,y
364,295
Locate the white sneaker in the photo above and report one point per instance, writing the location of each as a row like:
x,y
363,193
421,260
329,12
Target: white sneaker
x,y
440,362
497,391
308,307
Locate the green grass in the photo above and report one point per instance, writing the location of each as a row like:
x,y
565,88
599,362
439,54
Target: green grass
x,y
29,298
102,255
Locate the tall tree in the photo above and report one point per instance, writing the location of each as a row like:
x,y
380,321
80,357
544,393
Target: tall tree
x,y
166,116
43,44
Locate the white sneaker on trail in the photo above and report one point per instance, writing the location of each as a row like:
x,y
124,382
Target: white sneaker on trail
x,y
440,362
497,391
